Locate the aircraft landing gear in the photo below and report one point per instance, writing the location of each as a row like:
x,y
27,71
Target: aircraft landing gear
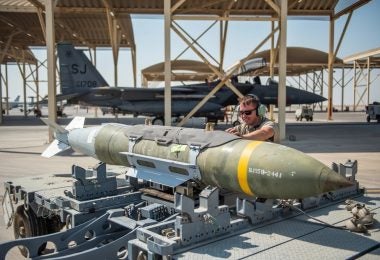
x,y
158,121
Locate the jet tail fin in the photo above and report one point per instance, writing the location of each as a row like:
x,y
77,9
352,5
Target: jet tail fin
x,y
61,142
77,73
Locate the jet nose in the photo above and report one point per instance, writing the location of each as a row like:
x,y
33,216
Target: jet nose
x,y
320,98
310,98
330,180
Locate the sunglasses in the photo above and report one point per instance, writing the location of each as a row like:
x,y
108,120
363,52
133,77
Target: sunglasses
x,y
247,112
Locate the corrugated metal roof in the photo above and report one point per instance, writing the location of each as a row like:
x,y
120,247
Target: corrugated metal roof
x,y
217,7
182,70
84,22
14,54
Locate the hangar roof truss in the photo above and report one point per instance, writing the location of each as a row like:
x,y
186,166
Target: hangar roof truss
x,y
85,22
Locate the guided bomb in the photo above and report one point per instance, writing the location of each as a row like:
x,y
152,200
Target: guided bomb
x,y
255,168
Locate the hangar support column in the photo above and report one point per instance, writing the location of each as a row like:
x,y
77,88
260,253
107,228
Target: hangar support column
x,y
168,69
330,70
1,97
50,45
282,69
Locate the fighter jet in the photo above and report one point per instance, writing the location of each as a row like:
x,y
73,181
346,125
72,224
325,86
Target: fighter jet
x,y
12,104
82,83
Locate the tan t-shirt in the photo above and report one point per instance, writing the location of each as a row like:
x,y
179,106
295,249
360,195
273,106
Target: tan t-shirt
x,y
245,129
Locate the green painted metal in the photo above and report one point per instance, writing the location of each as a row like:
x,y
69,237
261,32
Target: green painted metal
x,y
255,168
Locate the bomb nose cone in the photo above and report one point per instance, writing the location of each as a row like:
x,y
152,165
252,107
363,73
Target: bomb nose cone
x,y
330,180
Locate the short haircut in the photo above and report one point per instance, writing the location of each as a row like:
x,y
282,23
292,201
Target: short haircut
x,y
249,99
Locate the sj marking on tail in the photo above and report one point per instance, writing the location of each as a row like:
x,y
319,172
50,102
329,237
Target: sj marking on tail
x,y
75,69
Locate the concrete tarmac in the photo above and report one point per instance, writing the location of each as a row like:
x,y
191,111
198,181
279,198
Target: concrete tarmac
x,y
348,136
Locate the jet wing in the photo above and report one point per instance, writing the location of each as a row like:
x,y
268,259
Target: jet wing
x,y
106,92
101,91
190,93
140,94
61,97
185,96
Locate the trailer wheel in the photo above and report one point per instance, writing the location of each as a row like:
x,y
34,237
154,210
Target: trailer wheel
x,y
21,228
26,224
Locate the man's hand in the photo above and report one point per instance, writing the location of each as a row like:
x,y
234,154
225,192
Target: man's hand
x,y
232,130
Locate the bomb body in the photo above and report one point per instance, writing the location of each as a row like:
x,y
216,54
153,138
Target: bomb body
x,y
255,168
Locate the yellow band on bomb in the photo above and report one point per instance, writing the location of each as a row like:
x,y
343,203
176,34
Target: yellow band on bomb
x,y
242,170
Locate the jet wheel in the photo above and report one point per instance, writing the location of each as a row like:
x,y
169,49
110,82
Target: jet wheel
x,y
158,121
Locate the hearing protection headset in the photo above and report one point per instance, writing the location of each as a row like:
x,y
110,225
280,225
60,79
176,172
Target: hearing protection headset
x,y
260,108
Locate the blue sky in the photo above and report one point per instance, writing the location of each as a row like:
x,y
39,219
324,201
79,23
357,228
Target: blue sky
x,y
362,34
